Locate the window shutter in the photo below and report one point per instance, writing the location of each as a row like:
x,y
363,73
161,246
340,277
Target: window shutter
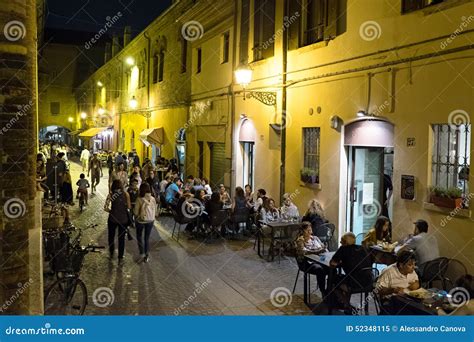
x,y
294,28
331,19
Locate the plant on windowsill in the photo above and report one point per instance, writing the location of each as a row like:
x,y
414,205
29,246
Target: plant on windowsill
x,y
309,176
447,198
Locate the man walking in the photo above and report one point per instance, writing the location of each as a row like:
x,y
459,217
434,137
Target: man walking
x,y
85,156
96,168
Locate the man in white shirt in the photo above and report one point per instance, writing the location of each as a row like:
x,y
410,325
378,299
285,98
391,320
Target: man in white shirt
x,y
85,156
399,277
424,246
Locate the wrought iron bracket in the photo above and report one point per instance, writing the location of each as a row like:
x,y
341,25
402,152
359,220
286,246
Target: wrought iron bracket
x,y
266,97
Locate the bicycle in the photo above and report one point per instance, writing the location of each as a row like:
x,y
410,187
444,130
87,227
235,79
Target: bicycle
x,y
81,200
68,294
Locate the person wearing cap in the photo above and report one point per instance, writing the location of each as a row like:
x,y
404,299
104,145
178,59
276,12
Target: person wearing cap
x,y
423,245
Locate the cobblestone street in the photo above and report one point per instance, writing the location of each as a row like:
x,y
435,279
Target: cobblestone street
x,y
187,278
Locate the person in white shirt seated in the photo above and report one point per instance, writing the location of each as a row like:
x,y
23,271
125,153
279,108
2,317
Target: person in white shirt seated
x,y
423,245
398,278
269,212
289,209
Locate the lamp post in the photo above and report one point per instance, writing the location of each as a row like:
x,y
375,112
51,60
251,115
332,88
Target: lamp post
x,y
243,76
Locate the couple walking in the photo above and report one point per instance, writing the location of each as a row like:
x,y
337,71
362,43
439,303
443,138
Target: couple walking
x,y
122,215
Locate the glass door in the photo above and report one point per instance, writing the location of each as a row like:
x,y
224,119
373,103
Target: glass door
x,y
365,188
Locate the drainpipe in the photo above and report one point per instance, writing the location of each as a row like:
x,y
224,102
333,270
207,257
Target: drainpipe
x,y
283,104
145,34
232,103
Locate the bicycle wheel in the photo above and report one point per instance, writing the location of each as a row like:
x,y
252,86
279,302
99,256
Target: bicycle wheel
x,y
67,296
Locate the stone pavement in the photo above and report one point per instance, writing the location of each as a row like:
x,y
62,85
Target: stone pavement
x,y
185,278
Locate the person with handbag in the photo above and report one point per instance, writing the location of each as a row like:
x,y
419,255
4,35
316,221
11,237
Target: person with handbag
x,y
144,212
117,205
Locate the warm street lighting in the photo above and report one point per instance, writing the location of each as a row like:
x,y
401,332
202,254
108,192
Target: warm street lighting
x,y
133,103
83,115
243,76
361,113
130,61
70,119
99,83
101,111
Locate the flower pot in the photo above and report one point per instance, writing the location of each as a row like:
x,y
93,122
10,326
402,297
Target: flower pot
x,y
446,202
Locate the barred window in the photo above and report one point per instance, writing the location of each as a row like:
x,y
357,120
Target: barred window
x,y
451,156
311,148
414,5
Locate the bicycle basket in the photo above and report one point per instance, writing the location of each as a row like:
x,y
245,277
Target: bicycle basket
x,y
70,262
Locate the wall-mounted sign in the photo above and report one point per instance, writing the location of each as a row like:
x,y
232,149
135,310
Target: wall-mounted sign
x,y
411,142
408,187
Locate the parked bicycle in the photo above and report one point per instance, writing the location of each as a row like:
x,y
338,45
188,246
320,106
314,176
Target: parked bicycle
x,y
68,294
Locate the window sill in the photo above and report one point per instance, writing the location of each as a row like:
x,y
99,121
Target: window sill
x,y
307,48
315,186
449,212
428,10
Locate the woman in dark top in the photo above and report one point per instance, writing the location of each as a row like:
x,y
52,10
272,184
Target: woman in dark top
x,y
239,200
117,205
315,215
215,204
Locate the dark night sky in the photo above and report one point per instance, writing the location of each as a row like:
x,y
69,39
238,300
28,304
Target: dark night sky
x,y
90,15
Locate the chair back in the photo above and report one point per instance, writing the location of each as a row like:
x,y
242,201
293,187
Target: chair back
x,y
455,269
434,270
325,232
181,219
218,218
369,275
359,238
241,215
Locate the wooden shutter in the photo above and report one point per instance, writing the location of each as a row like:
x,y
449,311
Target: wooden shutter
x,y
331,19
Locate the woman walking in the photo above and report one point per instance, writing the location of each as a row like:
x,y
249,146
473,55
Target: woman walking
x,y
117,205
144,211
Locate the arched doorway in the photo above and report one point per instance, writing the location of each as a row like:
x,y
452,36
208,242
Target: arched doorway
x,y
369,147
247,148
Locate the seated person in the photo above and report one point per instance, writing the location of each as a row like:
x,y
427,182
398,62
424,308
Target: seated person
x,y
82,185
225,197
172,191
353,259
423,245
289,209
379,233
315,215
466,307
214,204
398,277
307,243
269,212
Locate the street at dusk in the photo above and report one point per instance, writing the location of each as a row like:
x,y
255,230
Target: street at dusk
x,y
258,159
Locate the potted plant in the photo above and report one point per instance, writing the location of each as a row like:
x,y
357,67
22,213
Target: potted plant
x,y
447,198
309,176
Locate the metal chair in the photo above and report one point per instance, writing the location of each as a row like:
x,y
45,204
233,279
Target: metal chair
x,y
433,271
307,278
455,269
218,220
359,239
240,215
325,232
179,220
366,290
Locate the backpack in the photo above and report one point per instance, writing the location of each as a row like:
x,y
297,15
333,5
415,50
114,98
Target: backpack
x,y
147,210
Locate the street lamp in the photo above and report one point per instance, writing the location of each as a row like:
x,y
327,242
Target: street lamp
x,y
133,103
130,61
243,76
101,111
100,84
83,115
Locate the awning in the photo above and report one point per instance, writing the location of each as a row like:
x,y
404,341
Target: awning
x,y
75,132
93,132
153,136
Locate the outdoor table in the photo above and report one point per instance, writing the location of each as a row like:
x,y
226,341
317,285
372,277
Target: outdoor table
x,y
403,304
275,226
323,259
383,256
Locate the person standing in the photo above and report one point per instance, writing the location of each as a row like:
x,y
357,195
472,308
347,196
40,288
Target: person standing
x,y
121,174
117,205
96,168
144,212
85,156
110,163
60,172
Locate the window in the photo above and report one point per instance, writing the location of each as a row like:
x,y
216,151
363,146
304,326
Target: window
x,y
225,43
198,60
244,31
264,29
314,21
184,54
311,149
55,108
451,156
414,5
155,68
161,65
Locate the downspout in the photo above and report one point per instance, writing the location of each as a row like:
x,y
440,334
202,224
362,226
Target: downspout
x,y
148,115
232,104
283,104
